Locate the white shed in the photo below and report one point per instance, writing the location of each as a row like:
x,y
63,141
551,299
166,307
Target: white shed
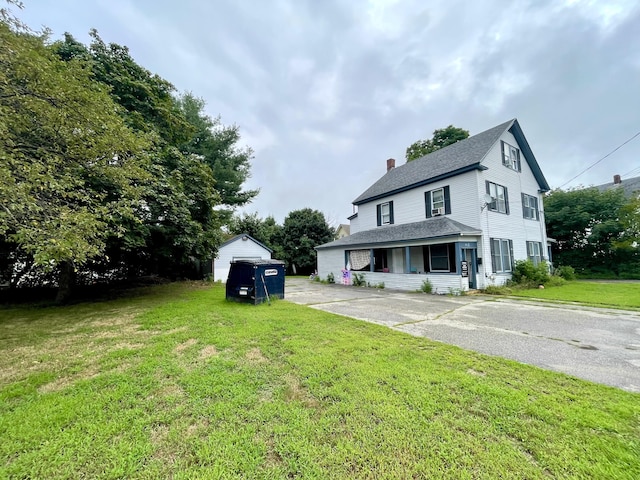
x,y
243,247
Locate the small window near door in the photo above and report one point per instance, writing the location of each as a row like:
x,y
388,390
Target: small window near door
x,y
440,258
501,255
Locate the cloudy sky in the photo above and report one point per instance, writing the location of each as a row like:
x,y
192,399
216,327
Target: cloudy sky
x,y
326,91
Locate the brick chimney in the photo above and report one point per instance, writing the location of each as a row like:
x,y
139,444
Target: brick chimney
x,y
616,179
391,163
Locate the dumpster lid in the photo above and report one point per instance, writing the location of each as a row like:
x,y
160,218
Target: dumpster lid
x,y
259,261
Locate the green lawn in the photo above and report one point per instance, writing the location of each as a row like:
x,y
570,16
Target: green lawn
x,y
609,294
178,383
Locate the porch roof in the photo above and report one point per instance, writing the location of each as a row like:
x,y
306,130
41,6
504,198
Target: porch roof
x,y
432,228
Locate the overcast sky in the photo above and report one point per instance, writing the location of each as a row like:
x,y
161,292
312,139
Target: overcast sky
x,y
325,91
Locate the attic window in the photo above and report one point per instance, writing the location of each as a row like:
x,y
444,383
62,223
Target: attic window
x,y
511,157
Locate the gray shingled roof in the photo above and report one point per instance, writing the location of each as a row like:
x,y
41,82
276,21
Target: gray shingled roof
x,y
630,186
454,159
231,240
431,228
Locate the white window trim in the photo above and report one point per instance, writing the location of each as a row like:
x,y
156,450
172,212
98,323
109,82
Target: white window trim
x,y
503,244
441,203
384,215
511,156
535,257
494,190
530,206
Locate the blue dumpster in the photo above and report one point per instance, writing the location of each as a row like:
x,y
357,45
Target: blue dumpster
x,y
255,281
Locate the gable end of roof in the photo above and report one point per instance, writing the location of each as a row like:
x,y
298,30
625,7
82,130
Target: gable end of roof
x,y
238,237
517,132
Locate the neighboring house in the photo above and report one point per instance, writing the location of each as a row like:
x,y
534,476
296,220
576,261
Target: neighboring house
x,y
458,217
630,186
343,230
240,247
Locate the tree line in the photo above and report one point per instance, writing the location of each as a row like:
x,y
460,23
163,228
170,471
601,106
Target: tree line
x,y
105,170
597,232
108,173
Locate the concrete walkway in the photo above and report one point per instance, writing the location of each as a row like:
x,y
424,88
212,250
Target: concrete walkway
x,y
596,344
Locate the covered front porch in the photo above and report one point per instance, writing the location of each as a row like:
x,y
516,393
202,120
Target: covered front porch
x,y
450,266
439,249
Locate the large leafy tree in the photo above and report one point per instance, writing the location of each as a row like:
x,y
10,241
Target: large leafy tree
x,y
441,138
596,231
303,230
70,168
266,231
147,98
198,170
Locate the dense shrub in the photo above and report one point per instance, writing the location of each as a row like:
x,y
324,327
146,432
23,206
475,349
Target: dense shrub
x,y
525,272
565,271
555,281
358,280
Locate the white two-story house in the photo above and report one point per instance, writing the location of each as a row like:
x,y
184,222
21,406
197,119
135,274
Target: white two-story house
x,y
459,217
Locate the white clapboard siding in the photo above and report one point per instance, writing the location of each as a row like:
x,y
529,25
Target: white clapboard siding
x,y
237,248
467,192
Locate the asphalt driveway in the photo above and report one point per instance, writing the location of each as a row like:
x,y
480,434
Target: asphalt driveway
x,y
600,345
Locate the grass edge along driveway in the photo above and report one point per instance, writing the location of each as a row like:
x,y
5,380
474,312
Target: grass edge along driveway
x,y
618,294
177,382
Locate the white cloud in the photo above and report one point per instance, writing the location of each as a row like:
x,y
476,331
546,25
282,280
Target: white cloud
x,y
606,15
324,92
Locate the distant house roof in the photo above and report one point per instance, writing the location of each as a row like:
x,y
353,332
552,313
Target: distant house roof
x,y
249,237
460,157
436,227
343,230
629,185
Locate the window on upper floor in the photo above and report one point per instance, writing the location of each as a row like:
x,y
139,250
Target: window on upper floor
x,y
385,213
534,252
501,255
530,207
500,197
437,202
511,157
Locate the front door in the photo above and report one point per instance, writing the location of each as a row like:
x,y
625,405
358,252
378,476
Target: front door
x,y
468,256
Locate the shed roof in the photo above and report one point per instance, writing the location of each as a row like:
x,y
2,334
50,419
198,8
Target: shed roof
x,y
249,237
